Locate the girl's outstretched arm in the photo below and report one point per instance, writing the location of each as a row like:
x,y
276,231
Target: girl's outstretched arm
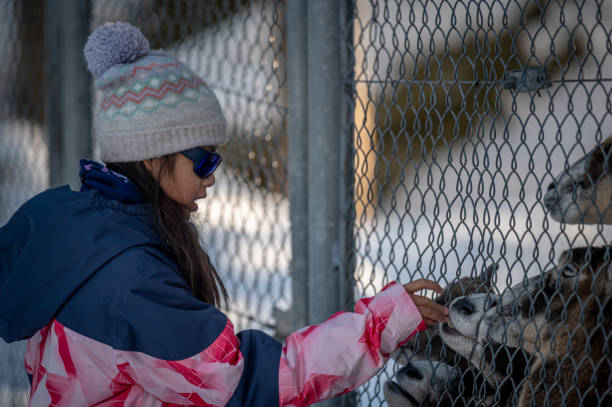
x,y
186,352
340,354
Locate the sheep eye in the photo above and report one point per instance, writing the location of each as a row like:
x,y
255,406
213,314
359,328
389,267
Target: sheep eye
x,y
569,271
583,183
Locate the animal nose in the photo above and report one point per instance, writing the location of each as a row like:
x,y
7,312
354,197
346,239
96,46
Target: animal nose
x,y
549,201
464,306
551,197
411,371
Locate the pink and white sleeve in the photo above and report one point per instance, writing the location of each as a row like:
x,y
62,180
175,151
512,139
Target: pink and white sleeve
x,y
325,360
76,370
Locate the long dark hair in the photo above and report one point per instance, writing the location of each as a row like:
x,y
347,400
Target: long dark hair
x,y
178,234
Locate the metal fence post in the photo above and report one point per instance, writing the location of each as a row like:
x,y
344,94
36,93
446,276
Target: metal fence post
x,y
320,161
327,136
68,104
328,149
297,125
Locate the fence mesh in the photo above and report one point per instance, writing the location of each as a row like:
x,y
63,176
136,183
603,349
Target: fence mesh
x,y
465,112
466,116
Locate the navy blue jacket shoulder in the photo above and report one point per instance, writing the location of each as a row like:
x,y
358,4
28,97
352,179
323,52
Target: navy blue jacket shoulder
x,y
97,265
99,268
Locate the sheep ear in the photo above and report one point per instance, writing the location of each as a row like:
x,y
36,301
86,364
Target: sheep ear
x,y
486,276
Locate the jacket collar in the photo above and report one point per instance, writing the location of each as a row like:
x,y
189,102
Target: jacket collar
x,y
108,183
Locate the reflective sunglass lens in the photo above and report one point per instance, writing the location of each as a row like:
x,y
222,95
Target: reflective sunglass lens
x,y
208,165
205,162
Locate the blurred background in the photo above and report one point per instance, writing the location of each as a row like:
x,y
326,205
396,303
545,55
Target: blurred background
x,y
371,140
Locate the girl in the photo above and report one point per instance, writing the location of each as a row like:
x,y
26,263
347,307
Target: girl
x,y
118,301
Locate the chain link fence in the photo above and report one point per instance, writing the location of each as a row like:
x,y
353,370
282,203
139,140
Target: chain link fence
x,y
465,112
462,115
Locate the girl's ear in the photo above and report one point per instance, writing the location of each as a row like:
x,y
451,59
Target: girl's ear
x,y
152,165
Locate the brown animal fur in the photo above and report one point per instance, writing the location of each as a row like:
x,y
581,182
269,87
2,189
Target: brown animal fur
x,y
583,193
573,364
563,319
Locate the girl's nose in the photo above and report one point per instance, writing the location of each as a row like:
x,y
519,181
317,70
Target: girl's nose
x,y
210,180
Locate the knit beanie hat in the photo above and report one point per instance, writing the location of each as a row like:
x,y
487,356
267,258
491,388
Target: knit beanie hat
x,y
152,104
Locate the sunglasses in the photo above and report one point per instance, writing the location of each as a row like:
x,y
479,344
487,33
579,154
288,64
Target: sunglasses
x,y
205,162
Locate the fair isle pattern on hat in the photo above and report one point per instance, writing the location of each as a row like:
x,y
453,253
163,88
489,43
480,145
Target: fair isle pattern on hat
x,y
152,105
173,84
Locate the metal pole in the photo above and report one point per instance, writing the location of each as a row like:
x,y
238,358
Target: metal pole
x,y
320,161
297,128
53,122
324,129
328,150
347,158
346,204
69,93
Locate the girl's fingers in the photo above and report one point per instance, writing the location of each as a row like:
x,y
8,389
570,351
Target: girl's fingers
x,y
431,311
421,301
430,322
423,284
432,315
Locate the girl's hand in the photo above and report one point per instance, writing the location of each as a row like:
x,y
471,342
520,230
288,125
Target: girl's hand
x,y
431,311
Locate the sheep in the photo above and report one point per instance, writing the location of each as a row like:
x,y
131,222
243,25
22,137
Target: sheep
x,y
583,192
563,319
422,383
428,383
502,367
428,343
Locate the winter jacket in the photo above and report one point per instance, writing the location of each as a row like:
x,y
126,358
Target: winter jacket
x,y
111,321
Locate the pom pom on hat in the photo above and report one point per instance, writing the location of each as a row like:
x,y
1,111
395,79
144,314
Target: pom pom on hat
x,y
114,43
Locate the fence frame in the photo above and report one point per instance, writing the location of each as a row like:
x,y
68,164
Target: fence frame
x,y
68,96
320,161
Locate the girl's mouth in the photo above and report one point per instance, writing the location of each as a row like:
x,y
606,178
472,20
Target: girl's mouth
x,y
194,206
